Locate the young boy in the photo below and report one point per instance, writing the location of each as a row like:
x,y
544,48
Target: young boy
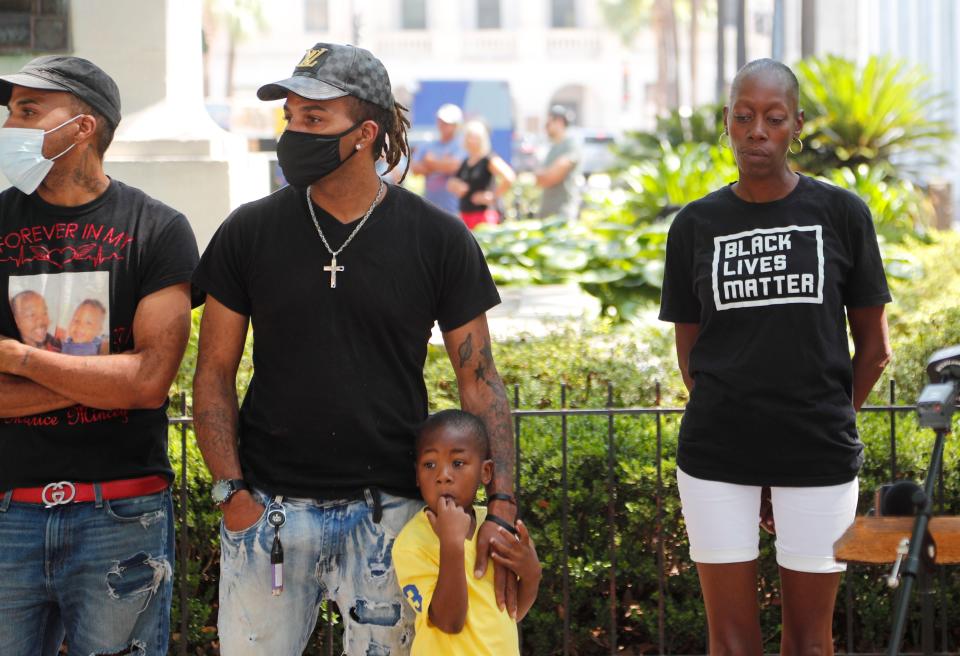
x,y
457,614
85,332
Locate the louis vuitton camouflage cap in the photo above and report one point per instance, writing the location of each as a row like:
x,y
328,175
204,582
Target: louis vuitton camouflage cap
x,y
331,70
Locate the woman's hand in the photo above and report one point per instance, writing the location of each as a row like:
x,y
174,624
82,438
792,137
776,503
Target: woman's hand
x,y
457,187
483,198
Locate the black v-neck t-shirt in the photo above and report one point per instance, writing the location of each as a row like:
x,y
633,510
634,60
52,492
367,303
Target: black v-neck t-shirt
x,y
337,388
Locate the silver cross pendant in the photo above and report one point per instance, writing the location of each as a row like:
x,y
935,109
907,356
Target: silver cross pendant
x,y
333,269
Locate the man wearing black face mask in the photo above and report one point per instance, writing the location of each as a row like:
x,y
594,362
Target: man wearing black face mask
x,y
343,277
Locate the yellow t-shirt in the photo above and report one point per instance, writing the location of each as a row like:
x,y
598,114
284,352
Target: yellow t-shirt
x,y
488,631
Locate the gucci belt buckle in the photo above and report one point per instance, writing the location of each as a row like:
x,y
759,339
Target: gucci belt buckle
x,y
58,494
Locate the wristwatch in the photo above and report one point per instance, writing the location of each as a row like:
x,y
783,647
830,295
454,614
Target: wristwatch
x,y
225,488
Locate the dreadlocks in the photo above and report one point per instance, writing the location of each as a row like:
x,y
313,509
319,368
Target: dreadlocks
x,y
391,142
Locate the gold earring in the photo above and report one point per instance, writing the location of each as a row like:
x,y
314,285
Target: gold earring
x,y
721,142
790,148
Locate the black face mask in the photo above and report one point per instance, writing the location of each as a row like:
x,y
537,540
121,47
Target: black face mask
x,y
305,157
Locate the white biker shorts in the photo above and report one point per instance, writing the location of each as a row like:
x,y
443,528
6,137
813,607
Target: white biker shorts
x,y
722,522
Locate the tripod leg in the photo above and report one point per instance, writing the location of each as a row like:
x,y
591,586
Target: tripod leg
x,y
926,593
915,565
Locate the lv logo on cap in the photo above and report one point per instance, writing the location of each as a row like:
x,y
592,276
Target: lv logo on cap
x,y
311,57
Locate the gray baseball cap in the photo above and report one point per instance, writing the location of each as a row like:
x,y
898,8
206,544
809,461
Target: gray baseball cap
x,y
331,70
75,75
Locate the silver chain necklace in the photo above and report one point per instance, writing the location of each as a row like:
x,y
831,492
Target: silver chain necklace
x,y
333,268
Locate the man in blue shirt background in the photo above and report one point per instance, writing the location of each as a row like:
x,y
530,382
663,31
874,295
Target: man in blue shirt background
x,y
438,160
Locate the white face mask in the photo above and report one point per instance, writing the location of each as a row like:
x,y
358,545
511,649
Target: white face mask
x,y
21,156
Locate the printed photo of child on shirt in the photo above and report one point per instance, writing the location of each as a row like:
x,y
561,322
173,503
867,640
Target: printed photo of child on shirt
x,y
65,312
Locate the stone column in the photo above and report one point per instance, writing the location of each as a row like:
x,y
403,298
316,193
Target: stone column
x,y
166,143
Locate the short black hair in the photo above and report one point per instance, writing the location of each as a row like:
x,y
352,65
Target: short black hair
x,y
103,137
768,66
456,419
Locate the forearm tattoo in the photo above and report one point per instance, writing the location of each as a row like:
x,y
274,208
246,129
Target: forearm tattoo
x,y
493,408
216,428
465,350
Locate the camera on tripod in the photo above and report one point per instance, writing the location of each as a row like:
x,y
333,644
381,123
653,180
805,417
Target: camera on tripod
x,y
938,400
935,408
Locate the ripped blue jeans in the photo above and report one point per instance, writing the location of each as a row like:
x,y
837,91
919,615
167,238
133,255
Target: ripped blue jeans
x,y
332,550
98,573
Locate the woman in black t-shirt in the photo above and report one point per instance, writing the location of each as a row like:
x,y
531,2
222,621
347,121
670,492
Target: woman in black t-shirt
x,y
482,179
761,278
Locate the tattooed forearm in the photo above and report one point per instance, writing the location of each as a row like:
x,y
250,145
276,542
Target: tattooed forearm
x,y
217,439
488,399
485,370
496,417
465,350
216,418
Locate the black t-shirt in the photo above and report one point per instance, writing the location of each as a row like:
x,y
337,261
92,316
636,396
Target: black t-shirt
x,y
478,178
72,278
337,388
768,283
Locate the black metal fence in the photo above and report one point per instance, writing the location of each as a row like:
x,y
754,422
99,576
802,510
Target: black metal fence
x,y
522,419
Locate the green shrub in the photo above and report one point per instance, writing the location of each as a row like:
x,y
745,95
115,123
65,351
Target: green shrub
x,y
881,113
899,208
703,124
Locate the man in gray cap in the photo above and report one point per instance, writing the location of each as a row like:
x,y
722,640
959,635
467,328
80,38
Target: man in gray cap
x,y
343,277
440,160
86,522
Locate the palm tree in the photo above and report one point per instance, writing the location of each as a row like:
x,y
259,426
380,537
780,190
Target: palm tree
x,y
721,49
628,17
240,19
880,113
808,28
778,31
694,48
741,33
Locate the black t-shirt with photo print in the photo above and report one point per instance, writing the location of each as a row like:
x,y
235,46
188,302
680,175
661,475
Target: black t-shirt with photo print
x,y
71,279
768,284
337,388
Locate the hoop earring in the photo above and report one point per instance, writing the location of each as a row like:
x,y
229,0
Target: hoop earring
x,y
721,142
790,147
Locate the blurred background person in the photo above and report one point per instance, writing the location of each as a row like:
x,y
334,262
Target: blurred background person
x,y
482,179
561,168
438,160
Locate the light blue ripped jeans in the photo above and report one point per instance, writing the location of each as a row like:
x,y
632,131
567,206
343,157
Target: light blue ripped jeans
x,y
332,550
99,573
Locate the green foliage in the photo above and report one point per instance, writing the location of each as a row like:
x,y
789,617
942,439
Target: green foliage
x,y
922,296
703,125
881,113
683,173
899,208
618,262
